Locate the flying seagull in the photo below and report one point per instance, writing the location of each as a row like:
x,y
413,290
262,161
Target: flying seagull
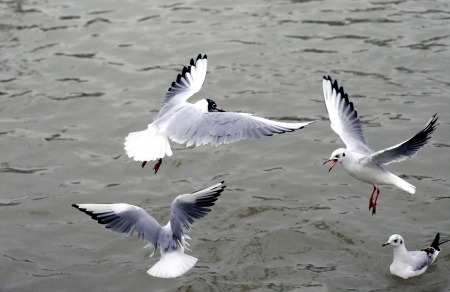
x,y
408,264
170,239
199,123
358,159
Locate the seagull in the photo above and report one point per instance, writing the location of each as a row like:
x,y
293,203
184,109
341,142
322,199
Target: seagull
x,y
358,159
408,264
170,239
199,123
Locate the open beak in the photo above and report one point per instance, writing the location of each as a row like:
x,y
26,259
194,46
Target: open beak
x,y
333,164
386,243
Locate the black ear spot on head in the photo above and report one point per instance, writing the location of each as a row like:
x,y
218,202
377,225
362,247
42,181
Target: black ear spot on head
x,y
401,241
343,154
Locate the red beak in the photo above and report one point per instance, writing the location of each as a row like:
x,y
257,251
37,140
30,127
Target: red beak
x,y
333,164
221,110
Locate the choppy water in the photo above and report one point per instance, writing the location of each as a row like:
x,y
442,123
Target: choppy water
x,y
77,76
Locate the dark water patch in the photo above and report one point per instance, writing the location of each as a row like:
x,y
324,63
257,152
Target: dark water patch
x,y
317,51
96,20
150,68
330,23
20,94
56,27
441,145
77,80
381,43
172,5
281,22
101,12
148,17
43,47
57,137
16,27
291,118
7,80
184,21
79,95
17,260
246,43
81,55
21,171
69,17
315,269
274,168
115,64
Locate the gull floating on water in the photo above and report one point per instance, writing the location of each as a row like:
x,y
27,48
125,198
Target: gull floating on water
x,y
358,159
170,239
200,123
408,264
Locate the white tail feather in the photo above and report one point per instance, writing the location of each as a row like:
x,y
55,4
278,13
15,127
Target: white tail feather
x,y
147,145
400,183
172,264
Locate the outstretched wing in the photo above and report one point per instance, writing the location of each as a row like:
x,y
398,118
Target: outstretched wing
x,y
186,208
190,81
406,149
343,117
124,218
191,126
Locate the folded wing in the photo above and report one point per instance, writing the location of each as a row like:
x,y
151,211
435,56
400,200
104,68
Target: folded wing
x,y
343,117
186,208
124,218
406,149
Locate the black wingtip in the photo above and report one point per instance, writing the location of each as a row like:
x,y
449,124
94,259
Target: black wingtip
x,y
75,206
192,62
435,243
199,57
205,56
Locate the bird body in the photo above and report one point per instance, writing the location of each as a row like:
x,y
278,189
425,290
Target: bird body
x,y
196,124
408,264
170,239
358,159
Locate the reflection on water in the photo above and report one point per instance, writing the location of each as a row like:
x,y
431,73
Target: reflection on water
x,y
77,77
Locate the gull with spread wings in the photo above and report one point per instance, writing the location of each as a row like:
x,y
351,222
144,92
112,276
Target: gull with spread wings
x,y
199,123
170,239
358,159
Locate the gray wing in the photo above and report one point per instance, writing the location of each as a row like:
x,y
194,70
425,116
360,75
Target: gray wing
x,y
124,218
191,126
419,260
343,117
186,208
406,149
190,81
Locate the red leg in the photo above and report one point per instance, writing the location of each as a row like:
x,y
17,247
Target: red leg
x,y
371,198
157,165
374,211
143,164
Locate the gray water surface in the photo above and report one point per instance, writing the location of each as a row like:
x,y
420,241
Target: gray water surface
x,y
77,76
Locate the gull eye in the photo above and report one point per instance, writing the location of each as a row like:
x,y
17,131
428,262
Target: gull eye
x,y
395,240
343,154
337,156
